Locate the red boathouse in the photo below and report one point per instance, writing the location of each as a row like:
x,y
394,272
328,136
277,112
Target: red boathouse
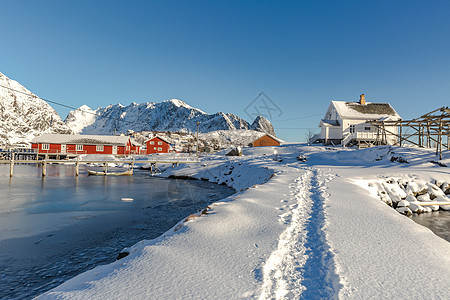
x,y
157,145
84,144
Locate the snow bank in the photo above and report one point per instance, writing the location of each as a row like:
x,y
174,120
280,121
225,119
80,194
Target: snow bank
x,y
313,229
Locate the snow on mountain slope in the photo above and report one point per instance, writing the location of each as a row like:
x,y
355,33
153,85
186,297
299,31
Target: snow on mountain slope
x,y
169,115
24,115
80,118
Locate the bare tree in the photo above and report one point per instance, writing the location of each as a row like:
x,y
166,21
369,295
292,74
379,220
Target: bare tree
x,y
309,136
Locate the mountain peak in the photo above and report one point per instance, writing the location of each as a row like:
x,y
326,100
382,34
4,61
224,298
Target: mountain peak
x,y
169,115
24,115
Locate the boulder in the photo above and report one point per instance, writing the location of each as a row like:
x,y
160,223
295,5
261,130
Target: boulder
x,y
404,211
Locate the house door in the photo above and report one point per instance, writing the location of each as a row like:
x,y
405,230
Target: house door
x,y
63,148
114,150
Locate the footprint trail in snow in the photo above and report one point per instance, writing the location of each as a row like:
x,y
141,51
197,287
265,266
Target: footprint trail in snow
x,y
302,266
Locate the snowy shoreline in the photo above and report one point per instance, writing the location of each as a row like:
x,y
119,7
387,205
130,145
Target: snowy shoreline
x,y
293,229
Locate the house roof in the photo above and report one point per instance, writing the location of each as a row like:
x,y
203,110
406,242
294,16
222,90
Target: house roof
x,y
368,111
159,137
329,122
272,137
82,139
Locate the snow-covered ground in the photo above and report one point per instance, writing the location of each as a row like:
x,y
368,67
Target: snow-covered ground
x,y
294,229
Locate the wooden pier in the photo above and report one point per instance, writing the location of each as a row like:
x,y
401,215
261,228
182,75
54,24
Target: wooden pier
x,y
44,162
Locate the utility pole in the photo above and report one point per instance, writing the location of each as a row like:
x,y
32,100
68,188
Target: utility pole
x,y
198,124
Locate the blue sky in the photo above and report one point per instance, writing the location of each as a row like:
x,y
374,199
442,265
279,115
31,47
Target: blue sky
x,y
219,55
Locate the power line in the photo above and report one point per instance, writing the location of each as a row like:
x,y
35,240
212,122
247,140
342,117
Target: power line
x,y
71,107
135,122
288,128
297,118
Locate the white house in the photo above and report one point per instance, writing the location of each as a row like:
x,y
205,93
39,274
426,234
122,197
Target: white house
x,y
347,123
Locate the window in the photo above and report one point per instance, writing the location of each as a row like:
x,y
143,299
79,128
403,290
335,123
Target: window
x,y
159,143
45,146
159,149
352,128
79,147
367,128
154,148
152,142
99,148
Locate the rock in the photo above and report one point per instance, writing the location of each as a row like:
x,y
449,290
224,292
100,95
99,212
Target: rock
x,y
446,188
412,188
427,209
415,207
404,211
424,198
411,198
443,199
301,158
122,255
235,152
403,203
434,207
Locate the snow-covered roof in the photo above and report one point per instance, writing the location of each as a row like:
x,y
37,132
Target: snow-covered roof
x,y
368,111
272,137
82,139
329,122
159,137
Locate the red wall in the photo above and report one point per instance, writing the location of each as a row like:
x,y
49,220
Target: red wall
x,y
89,149
165,147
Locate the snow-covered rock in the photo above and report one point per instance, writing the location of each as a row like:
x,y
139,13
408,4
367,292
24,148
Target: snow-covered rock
x,y
80,118
24,115
263,125
404,210
415,207
403,203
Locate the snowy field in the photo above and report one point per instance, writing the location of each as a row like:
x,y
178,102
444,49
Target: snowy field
x,y
314,229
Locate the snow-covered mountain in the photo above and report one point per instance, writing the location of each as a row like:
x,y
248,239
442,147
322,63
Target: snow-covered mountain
x,y
23,115
169,115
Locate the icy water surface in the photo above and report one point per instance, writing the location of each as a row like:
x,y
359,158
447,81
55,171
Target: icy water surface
x,y
437,221
56,227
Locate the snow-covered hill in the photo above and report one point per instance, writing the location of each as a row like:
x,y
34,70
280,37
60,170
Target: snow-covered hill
x,y
171,115
24,115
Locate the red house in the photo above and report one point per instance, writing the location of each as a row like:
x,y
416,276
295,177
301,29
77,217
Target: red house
x,y
84,144
157,145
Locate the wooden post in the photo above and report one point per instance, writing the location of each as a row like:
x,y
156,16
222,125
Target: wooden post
x,y
448,132
440,139
105,168
44,167
420,136
401,127
11,167
77,168
378,135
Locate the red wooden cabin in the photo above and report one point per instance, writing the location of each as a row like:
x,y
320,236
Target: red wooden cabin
x,y
157,145
266,140
84,144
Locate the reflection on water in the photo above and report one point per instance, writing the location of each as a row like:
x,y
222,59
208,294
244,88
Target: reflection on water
x,y
56,227
437,221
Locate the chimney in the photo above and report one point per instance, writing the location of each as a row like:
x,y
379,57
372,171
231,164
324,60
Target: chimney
x,y
362,100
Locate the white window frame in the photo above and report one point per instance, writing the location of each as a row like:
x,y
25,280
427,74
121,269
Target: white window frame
x,y
152,142
45,146
78,147
99,148
367,128
159,148
352,128
159,143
